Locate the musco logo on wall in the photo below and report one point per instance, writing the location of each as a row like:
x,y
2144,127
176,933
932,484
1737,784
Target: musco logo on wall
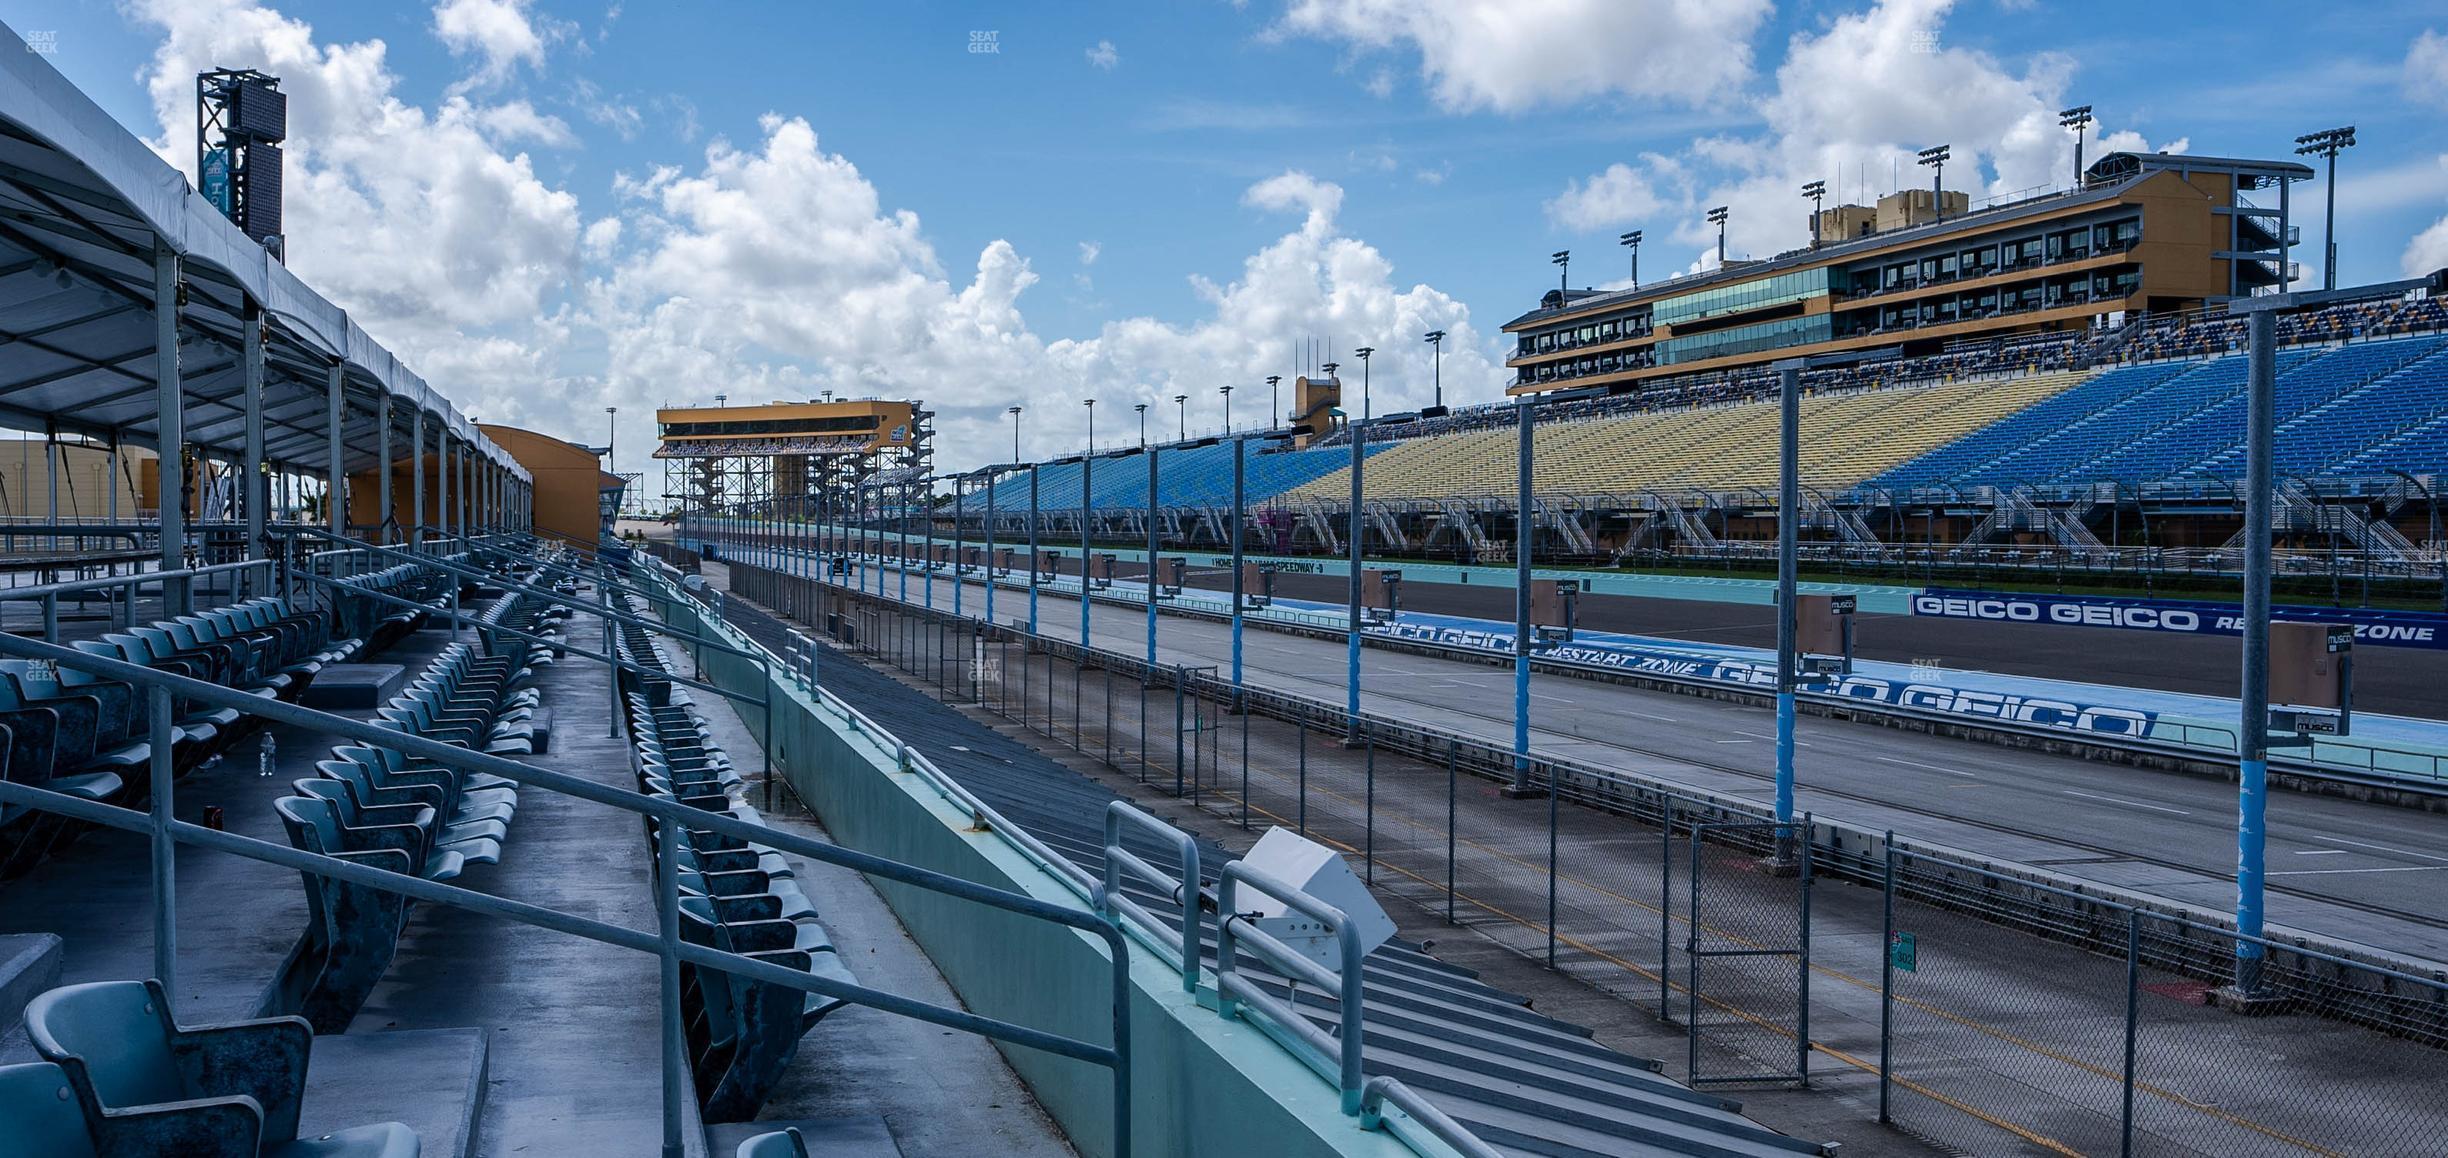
x,y
2380,628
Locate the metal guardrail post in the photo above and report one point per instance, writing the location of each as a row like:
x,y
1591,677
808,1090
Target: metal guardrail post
x,y
1185,887
612,680
667,919
161,735
1383,1089
1887,938
1233,991
2133,1022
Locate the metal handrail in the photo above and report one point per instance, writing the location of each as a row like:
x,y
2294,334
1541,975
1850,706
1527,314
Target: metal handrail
x,y
1105,895
1185,888
166,831
1383,1090
1234,990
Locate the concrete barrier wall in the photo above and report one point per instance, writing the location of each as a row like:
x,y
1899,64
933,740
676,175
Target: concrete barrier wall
x,y
1204,1086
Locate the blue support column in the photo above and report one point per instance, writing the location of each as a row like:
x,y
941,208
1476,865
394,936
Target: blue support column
x,y
960,540
1354,530
2252,732
1032,548
1087,509
1523,419
1240,500
1789,509
991,479
1153,543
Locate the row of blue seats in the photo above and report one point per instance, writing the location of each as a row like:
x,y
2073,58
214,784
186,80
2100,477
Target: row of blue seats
x,y
121,1077
1189,477
382,622
374,805
88,736
2354,409
735,896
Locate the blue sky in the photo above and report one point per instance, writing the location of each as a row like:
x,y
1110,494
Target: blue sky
x,y
808,196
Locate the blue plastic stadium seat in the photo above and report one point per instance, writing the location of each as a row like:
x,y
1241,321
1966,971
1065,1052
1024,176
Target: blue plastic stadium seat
x,y
147,1085
43,1116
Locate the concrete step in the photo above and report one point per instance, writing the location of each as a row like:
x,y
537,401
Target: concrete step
x,y
431,1080
29,964
853,1137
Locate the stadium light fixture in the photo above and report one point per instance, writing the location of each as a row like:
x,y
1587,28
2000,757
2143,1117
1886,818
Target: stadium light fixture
x,y
1631,240
1436,358
1015,417
1562,260
1936,158
1090,403
720,399
1717,217
1181,416
1364,353
611,439
2077,118
2325,144
1226,391
1274,400
1817,192
1141,411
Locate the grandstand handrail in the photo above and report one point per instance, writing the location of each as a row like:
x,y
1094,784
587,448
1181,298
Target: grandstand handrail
x,y
916,762
1384,1090
546,594
1120,814
1146,927
165,831
1234,928
137,578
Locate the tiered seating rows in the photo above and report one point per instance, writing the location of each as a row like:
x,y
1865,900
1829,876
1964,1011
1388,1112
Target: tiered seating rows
x,y
1189,477
1845,439
735,896
374,805
2362,409
88,736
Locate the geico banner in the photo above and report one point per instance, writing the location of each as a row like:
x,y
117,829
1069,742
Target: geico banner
x,y
2379,628
2044,711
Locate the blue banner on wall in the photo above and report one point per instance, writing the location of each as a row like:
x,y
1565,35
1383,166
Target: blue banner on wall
x,y
1879,683
2373,627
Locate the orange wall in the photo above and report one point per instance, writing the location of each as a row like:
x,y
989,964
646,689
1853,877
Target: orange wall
x,y
568,482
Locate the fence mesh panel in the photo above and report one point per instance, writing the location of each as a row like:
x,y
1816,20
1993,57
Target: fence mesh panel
x,y
2006,1035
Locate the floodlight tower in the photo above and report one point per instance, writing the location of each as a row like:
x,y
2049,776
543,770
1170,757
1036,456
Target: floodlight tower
x,y
1436,359
1181,417
1364,352
1562,260
241,119
1226,391
2326,144
1936,158
1631,241
1274,400
1717,217
2077,118
1817,192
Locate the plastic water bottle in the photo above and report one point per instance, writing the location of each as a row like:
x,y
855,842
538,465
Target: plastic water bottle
x,y
263,757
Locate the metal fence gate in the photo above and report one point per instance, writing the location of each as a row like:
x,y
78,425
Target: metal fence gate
x,y
1746,954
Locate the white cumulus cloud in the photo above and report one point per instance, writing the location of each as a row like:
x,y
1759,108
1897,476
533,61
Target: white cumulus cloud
x,y
1513,55
497,32
1103,55
1853,102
